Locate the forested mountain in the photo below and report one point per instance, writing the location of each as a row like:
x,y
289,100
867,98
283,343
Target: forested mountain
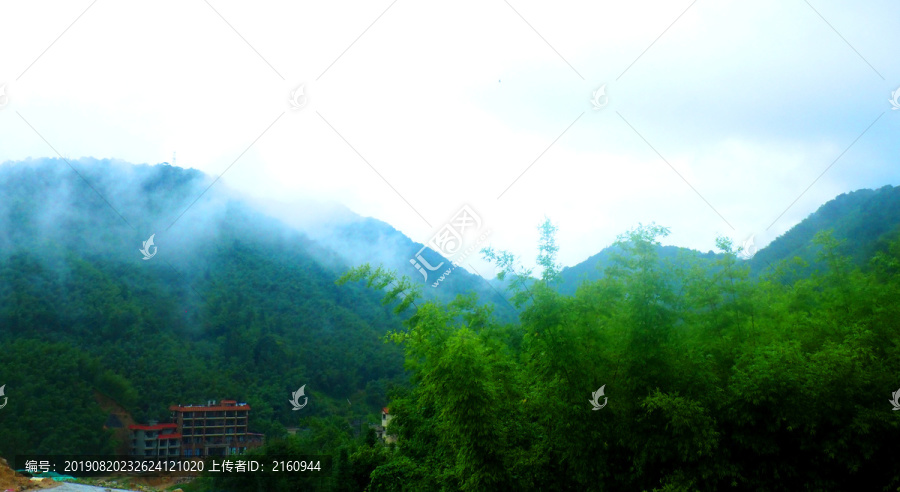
x,y
593,268
864,220
233,305
359,240
663,369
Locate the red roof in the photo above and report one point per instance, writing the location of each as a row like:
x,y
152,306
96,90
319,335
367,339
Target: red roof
x,y
227,402
170,436
384,410
204,408
152,427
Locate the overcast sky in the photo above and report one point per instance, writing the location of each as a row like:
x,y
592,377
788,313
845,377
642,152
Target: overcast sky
x,y
720,117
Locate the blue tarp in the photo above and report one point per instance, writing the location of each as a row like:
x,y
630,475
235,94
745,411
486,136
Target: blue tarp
x,y
49,474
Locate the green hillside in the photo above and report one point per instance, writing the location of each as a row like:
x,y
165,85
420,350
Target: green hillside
x,y
233,306
863,220
728,383
643,368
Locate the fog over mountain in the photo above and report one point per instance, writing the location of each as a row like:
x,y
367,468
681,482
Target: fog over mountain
x,y
54,209
109,208
514,245
246,298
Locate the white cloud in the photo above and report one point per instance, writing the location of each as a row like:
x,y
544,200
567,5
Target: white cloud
x,y
450,103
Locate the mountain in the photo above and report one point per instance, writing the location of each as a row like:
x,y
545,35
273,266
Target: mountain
x,y
863,219
714,378
232,304
593,268
357,240
368,240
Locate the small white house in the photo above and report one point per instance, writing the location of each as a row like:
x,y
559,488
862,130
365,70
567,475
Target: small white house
x,y
385,421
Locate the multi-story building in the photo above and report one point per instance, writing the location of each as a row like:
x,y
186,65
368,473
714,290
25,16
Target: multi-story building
x,y
155,439
214,429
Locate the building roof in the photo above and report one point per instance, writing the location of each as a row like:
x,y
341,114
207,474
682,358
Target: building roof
x,y
384,410
207,408
152,427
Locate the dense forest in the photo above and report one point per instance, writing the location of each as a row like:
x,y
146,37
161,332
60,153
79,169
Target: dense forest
x,y
251,312
773,373
728,382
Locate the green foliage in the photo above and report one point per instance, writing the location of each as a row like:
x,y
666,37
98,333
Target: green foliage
x,y
51,407
151,344
715,380
861,219
768,374
548,249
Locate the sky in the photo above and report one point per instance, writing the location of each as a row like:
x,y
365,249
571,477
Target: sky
x,y
710,118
